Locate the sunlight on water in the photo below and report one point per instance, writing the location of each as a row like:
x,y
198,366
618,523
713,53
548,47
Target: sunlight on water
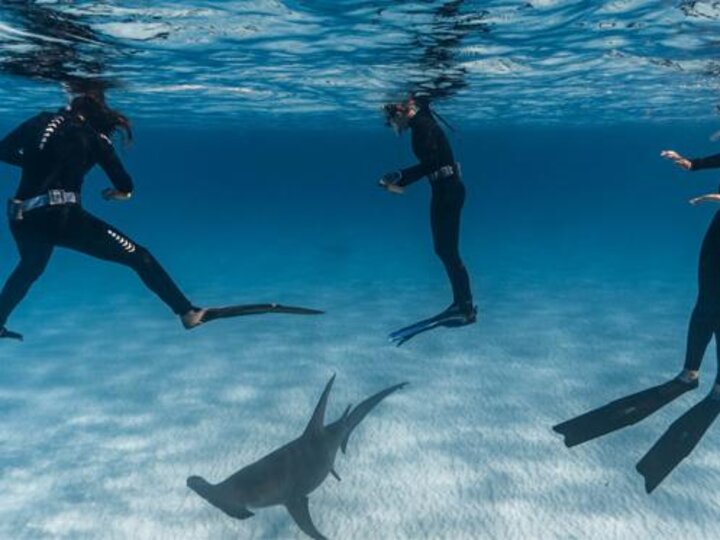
x,y
536,61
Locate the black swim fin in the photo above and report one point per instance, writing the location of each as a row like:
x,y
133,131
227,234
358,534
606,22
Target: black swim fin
x,y
621,413
9,334
677,442
241,310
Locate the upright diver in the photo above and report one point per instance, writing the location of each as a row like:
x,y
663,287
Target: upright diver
x,y
55,151
705,318
430,145
686,432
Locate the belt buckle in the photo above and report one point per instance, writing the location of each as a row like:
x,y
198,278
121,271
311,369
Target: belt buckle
x,y
55,197
15,210
442,173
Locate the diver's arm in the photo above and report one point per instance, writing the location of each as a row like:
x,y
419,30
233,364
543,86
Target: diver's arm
x,y
412,174
115,171
692,164
710,162
11,147
396,181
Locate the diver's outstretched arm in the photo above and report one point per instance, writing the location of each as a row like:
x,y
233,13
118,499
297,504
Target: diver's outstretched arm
x,y
692,164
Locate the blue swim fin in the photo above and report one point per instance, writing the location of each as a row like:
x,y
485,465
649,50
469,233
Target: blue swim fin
x,y
449,319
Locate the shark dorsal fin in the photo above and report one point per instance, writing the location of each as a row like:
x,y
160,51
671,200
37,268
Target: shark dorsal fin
x,y
317,422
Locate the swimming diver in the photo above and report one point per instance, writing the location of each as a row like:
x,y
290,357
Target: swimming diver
x,y
436,162
705,318
55,151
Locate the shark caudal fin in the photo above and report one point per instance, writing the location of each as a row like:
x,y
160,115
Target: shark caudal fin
x,y
357,415
317,422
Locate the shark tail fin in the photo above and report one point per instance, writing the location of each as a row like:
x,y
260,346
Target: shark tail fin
x,y
353,419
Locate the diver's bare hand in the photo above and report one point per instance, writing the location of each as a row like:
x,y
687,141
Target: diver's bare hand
x,y
710,197
679,160
392,188
110,194
389,182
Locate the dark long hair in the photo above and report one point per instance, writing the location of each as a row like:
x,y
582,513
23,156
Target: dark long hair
x,y
101,117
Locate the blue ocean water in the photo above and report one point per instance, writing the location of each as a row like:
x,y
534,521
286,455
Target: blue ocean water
x,y
258,148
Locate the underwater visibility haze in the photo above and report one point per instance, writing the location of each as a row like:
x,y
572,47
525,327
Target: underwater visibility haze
x,y
259,141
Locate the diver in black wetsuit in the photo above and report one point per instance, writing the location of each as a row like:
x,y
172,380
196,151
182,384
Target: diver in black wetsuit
x,y
705,318
56,151
432,149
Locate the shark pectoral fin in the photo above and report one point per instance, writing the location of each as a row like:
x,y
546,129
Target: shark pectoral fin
x,y
298,509
336,475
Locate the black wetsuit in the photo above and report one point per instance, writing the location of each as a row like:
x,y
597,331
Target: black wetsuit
x,y
56,151
705,318
431,147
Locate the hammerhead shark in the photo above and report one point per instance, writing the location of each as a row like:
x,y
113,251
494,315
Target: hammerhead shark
x,y
289,474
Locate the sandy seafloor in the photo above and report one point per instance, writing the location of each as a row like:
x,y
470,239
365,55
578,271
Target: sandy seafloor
x,y
582,250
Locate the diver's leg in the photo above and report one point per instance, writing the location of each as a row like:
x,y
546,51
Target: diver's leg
x,y
446,206
705,315
87,234
715,392
34,257
700,332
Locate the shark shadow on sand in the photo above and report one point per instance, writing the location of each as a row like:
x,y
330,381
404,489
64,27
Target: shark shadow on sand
x,y
289,474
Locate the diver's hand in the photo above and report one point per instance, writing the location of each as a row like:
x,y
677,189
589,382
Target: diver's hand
x,y
110,194
710,197
389,182
679,160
